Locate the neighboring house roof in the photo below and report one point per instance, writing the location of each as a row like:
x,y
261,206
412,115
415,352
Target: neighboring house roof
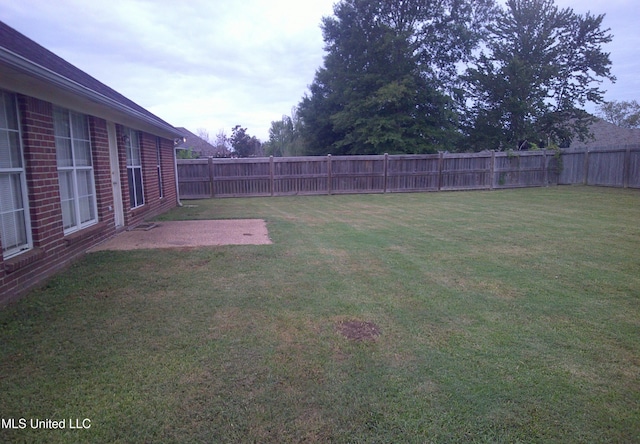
x,y
30,69
199,145
607,135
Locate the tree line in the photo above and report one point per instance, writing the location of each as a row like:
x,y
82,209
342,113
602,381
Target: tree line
x,y
239,144
421,76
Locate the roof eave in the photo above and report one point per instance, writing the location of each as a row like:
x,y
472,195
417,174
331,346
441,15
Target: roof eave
x,y
29,68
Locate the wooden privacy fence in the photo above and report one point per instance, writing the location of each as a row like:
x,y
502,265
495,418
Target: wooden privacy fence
x,y
279,176
614,167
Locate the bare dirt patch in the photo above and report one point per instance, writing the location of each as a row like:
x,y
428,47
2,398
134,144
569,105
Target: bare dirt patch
x,y
358,330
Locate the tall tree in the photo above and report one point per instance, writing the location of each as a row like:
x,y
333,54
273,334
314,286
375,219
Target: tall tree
x,y
284,137
540,66
625,114
243,144
387,75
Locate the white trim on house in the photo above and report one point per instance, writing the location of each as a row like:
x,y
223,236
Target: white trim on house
x,y
78,190
116,184
27,244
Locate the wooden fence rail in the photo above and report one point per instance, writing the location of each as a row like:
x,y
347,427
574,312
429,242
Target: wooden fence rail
x,y
279,176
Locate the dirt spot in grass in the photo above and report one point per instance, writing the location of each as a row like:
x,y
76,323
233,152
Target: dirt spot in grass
x,y
102,294
356,330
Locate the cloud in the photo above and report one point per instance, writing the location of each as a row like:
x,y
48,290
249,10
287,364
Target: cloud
x,y
217,63
198,63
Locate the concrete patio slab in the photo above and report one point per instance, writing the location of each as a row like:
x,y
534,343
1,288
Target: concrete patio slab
x,y
191,233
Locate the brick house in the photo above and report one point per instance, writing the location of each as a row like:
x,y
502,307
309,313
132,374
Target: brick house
x,y
79,162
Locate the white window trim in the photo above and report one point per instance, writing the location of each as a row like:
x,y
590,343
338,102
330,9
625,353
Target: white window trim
x,y
159,162
74,169
129,148
9,253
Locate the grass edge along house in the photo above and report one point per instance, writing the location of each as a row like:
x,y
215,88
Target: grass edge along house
x,y
79,162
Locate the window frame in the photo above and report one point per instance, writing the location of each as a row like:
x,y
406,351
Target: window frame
x,y
75,171
12,171
134,168
159,165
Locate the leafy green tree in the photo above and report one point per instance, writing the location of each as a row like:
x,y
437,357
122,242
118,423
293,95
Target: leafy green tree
x,y
279,135
539,67
243,144
187,153
388,76
625,114
284,137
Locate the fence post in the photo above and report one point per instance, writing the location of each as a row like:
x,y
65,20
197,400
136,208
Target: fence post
x,y
626,167
440,161
329,180
210,164
492,169
586,166
386,171
271,174
545,174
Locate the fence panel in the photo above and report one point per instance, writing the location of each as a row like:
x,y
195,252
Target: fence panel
x,y
241,177
523,169
300,175
633,169
619,167
466,171
410,173
194,179
572,169
357,174
606,168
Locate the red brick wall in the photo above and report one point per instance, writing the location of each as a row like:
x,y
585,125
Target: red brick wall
x,y
153,204
52,249
41,171
102,169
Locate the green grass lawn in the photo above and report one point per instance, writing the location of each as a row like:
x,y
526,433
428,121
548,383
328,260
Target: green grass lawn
x,y
504,316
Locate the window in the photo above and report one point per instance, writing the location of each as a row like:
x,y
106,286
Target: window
x,y
159,162
134,168
15,229
75,170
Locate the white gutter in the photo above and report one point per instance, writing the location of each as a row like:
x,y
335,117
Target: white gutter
x,y
175,167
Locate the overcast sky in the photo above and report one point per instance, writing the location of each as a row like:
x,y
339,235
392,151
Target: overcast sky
x,y
212,64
